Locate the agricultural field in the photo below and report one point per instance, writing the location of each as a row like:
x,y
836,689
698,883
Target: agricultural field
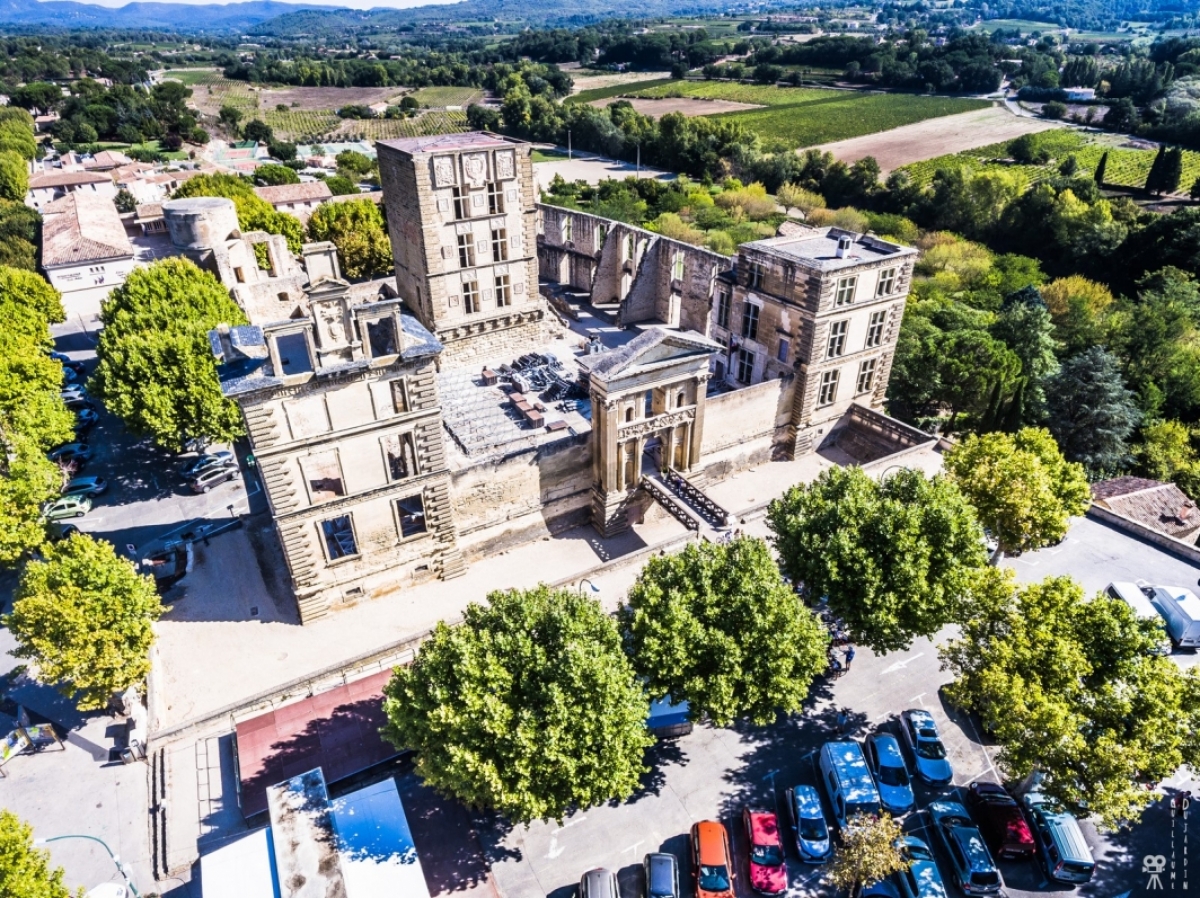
x,y
447,96
432,122
737,92
657,107
1127,166
192,77
591,88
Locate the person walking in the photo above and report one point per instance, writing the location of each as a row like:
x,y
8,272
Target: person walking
x,y
843,720
849,656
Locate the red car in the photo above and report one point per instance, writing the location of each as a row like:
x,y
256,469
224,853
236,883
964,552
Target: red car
x,y
1000,821
768,869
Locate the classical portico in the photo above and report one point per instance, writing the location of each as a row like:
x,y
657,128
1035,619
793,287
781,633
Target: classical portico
x,y
647,398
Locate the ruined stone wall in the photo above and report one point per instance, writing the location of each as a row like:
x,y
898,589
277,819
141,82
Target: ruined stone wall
x,y
745,427
510,498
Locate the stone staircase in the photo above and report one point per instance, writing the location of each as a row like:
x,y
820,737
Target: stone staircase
x,y
712,513
660,493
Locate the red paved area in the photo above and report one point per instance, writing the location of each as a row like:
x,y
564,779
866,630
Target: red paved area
x,y
337,731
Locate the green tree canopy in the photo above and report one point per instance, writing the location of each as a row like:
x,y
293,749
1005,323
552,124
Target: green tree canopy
x,y
19,227
895,558
1070,688
85,617
1022,488
14,176
1168,452
529,707
156,368
716,626
357,229
869,852
25,871
340,186
1091,413
271,175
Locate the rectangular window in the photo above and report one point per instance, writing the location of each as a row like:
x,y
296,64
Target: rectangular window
x,y
462,204
324,475
837,338
845,291
866,376
875,329
471,297
293,353
503,291
723,304
339,537
829,385
677,266
466,251
745,366
495,198
411,512
601,233
401,456
754,276
499,245
784,346
399,395
750,321
381,337
568,229
887,282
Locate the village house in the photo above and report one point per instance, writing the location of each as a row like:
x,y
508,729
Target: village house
x,y
84,245
300,200
46,187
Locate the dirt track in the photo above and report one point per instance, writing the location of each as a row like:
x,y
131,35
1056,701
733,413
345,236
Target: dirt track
x,y
936,137
656,108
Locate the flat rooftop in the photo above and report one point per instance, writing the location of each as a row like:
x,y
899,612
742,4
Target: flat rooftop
x,y
819,249
444,143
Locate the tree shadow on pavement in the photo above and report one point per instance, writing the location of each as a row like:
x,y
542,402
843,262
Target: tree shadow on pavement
x,y
664,753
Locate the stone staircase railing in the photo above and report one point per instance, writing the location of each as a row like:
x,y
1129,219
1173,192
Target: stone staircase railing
x,y
663,497
714,514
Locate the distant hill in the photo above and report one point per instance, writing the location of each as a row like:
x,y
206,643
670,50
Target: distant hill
x,y
170,16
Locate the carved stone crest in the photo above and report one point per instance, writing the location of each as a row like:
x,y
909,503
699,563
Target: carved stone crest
x,y
443,171
475,169
505,165
659,422
331,325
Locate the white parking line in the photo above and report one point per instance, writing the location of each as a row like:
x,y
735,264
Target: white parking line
x,y
574,822
900,665
633,847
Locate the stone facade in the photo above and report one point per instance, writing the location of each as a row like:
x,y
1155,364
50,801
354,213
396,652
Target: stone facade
x,y
464,229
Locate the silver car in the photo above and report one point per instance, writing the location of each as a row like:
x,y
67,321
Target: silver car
x,y
925,742
599,883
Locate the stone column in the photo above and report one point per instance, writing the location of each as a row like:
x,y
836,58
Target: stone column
x,y
696,436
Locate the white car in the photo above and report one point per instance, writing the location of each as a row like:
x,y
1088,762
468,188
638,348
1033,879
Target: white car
x,y
925,742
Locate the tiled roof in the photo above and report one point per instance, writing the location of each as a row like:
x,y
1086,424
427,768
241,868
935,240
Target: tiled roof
x,y
303,192
107,159
66,179
149,211
1160,506
614,361
82,228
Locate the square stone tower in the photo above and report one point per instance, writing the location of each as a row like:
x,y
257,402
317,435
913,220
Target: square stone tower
x,y
463,224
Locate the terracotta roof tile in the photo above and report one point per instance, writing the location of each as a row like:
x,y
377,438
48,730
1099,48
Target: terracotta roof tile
x,y
295,193
81,228
1160,506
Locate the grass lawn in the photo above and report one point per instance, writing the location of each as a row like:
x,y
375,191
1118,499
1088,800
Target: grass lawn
x,y
191,77
540,155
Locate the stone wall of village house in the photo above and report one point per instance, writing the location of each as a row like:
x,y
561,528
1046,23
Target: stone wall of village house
x,y
512,497
425,236
340,430
640,270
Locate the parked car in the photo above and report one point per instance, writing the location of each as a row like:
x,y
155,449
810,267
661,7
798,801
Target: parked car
x,y
925,742
74,392
712,862
78,401
85,419
768,868
66,507
1000,820
599,883
219,459
69,376
1180,609
809,824
86,486
77,454
972,865
891,773
922,879
882,889
213,476
68,363
59,531
1060,844
662,875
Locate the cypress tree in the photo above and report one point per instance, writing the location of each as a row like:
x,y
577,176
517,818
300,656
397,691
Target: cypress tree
x,y
1016,411
1172,172
1101,169
990,418
1154,178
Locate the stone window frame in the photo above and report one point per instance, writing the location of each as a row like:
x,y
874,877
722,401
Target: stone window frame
x,y
364,323
301,328
755,273
306,472
328,538
744,365
566,226
724,307
600,234
499,244
471,297
495,198
400,385
395,503
751,320
411,434
466,250
887,282
461,199
866,376
835,342
503,290
844,293
875,329
827,391
781,352
678,264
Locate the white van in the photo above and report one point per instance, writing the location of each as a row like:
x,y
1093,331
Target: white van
x,y
1136,598
847,781
1180,608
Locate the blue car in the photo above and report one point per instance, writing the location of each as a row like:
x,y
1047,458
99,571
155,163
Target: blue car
x,y
808,825
925,742
922,879
891,773
972,865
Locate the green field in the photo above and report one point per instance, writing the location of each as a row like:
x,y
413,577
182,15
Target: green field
x,y
539,155
1023,25
806,116
1126,167
192,77
447,96
617,90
